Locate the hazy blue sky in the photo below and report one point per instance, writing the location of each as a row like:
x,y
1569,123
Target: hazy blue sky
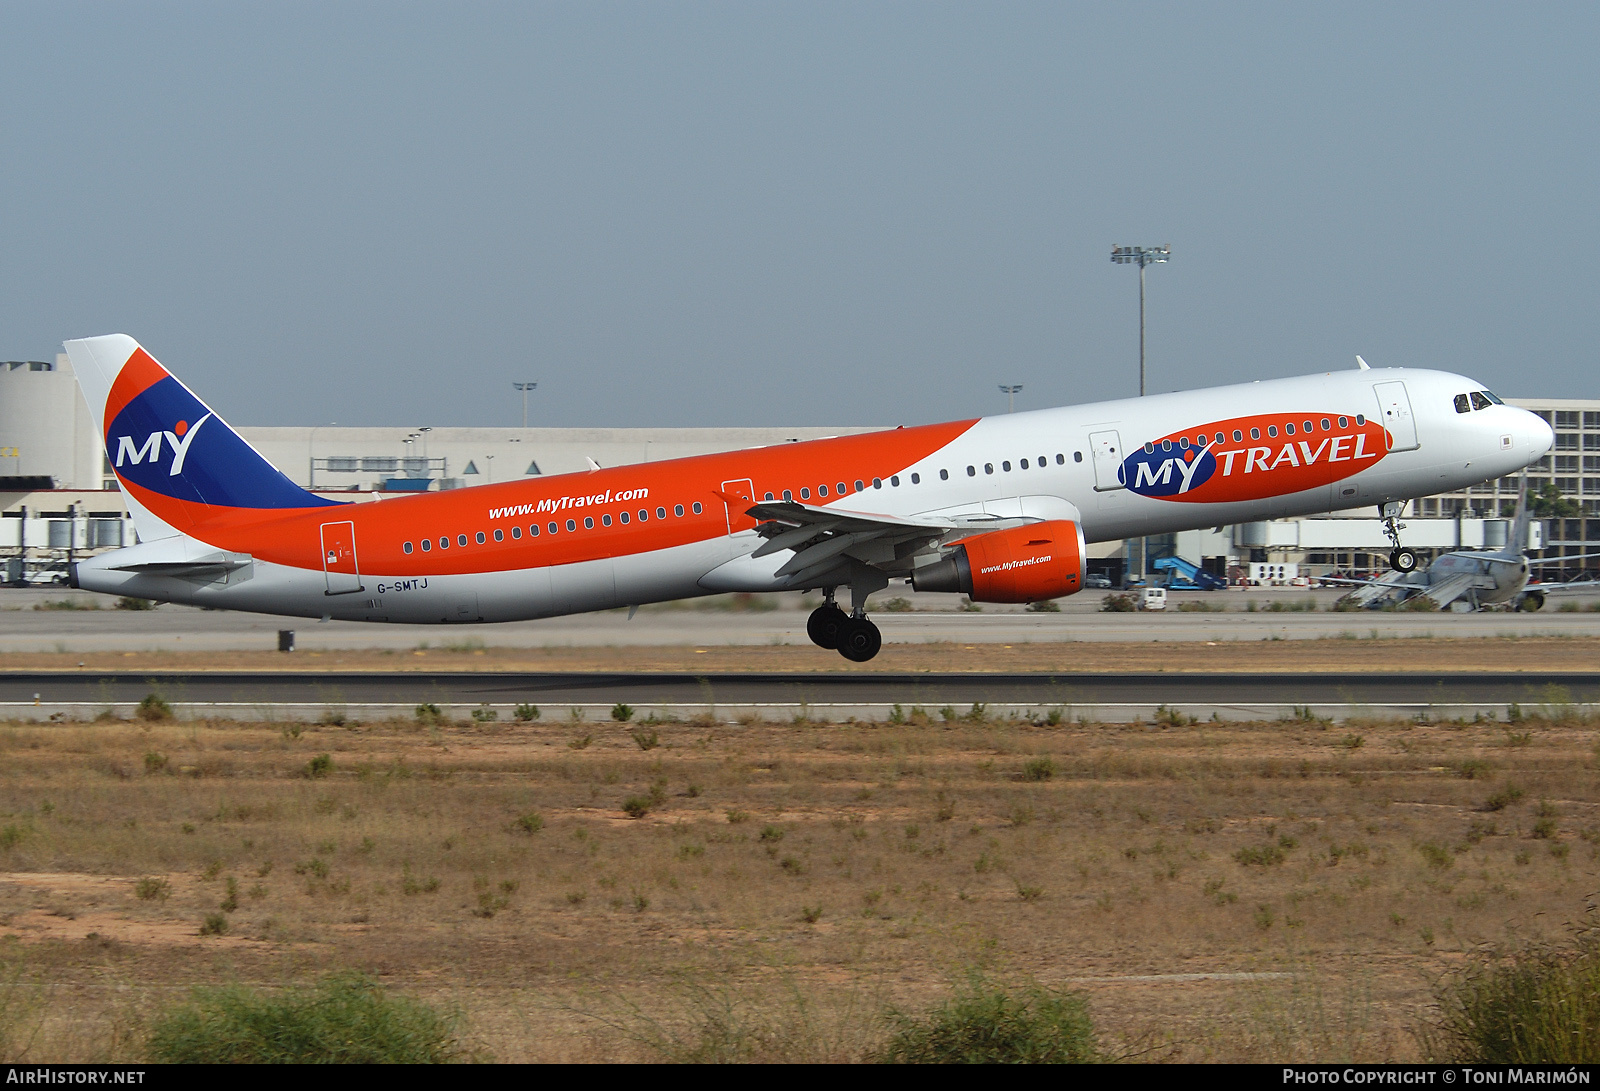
x,y
800,213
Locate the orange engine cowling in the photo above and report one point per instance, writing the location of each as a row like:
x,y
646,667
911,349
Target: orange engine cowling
x,y
1024,564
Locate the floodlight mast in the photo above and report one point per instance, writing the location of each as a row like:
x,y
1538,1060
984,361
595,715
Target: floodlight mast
x,y
1011,391
525,387
1141,256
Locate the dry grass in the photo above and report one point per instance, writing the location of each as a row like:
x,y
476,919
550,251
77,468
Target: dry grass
x,y
1355,650
1219,890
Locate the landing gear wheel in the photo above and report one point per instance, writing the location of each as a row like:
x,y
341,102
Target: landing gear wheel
x,y
1403,560
824,626
859,639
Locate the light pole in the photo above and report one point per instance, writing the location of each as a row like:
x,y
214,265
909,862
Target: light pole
x,y
1141,256
1011,393
525,387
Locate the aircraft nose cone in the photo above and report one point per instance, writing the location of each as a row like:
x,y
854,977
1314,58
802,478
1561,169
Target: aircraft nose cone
x,y
1541,437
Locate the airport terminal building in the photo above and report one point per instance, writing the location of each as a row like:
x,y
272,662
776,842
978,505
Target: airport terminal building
x,y
59,500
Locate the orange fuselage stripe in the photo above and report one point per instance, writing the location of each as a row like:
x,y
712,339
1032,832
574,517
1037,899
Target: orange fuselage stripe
x,y
294,538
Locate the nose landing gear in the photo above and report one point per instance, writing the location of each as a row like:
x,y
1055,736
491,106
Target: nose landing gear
x,y
1401,559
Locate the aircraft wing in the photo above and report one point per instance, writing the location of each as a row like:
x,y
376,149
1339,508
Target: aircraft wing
x,y
1451,588
1370,591
824,539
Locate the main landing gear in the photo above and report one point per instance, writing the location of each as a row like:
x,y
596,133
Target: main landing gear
x,y
1401,559
851,635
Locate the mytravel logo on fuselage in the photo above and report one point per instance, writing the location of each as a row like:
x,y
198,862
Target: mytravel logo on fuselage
x,y
1249,458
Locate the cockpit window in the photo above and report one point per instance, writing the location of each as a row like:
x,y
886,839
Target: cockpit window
x,y
1488,395
1461,404
1479,401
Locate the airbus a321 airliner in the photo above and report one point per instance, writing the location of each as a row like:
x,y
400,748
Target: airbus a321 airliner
x,y
998,508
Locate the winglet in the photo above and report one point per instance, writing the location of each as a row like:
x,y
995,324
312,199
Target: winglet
x,y
1362,364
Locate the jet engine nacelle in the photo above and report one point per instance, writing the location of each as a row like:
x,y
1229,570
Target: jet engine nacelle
x,y
1024,564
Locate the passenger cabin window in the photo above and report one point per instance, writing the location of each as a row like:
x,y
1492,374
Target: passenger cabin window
x,y
805,494
860,485
842,489
822,490
444,542
605,520
972,471
697,508
661,513
480,537
499,535
572,525
426,545
895,481
1077,456
461,539
1462,404
588,522
677,509
1255,433
407,547
625,517
988,467
916,479
944,475
516,532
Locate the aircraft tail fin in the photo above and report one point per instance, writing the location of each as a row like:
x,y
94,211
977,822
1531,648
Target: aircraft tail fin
x,y
179,464
1517,536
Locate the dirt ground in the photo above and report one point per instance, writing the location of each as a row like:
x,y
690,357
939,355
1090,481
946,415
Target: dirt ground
x,y
1221,891
1424,654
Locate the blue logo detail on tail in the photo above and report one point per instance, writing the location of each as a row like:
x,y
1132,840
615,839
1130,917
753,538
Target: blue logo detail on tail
x,y
166,441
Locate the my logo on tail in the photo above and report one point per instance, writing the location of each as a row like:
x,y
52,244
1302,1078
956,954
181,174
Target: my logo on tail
x,y
179,439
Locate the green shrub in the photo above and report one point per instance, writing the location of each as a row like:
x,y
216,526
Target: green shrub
x,y
429,714
527,713
636,806
621,712
1263,855
152,889
1116,603
154,708
1046,606
319,766
345,1019
532,822
986,1024
127,603
646,739
1538,1006
1039,769
154,762
483,714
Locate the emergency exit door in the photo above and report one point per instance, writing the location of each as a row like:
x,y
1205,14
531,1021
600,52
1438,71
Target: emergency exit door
x,y
1108,455
339,558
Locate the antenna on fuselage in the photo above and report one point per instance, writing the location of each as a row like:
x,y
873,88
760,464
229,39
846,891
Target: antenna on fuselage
x,y
1362,364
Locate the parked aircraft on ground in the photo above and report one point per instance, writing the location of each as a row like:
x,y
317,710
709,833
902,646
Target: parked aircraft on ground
x,y
1470,578
998,508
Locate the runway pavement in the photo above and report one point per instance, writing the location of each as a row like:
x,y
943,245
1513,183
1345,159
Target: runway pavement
x,y
252,695
937,619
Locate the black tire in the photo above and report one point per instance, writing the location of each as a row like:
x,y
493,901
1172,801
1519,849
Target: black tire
x,y
859,639
1403,560
823,626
